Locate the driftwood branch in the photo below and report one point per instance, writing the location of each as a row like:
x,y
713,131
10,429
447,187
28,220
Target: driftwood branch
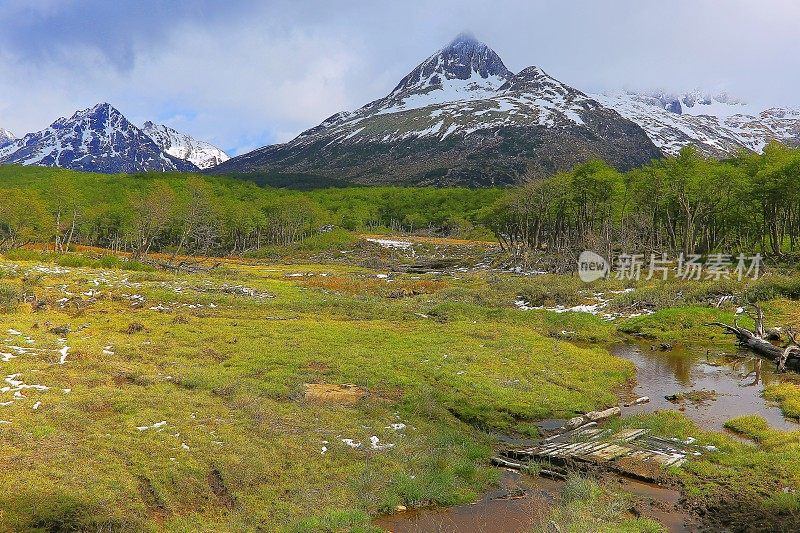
x,y
756,341
792,350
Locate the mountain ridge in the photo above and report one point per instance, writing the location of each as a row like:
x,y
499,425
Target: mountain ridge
x,y
202,154
460,117
102,139
717,126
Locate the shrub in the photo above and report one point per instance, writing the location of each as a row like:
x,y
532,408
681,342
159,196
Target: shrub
x,y
10,297
772,287
579,489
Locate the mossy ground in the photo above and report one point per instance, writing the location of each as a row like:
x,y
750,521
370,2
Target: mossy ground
x,y
223,358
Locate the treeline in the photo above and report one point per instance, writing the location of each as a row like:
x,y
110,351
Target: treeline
x,y
685,204
690,204
201,215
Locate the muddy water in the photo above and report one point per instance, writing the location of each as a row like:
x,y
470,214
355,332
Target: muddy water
x,y
519,503
522,502
738,379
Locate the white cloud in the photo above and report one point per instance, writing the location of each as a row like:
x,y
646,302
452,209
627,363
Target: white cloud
x,y
255,73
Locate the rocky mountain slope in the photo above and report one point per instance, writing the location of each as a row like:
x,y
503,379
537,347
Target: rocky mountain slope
x,y
182,146
460,118
717,125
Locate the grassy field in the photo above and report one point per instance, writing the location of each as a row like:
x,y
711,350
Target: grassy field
x,y
312,396
185,402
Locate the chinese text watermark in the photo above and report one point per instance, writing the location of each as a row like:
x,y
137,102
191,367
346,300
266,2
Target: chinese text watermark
x,y
592,266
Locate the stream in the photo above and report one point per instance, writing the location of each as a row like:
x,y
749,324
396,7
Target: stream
x,y
737,379
521,501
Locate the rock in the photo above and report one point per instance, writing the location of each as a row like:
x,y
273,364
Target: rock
x,y
134,327
400,508
637,401
597,416
61,330
575,422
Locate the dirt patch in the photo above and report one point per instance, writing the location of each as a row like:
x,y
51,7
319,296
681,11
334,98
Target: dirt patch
x,y
318,366
151,499
347,394
217,486
638,469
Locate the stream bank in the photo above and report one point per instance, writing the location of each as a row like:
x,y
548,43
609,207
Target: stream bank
x,y
521,502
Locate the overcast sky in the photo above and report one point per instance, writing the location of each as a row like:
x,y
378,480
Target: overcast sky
x,y
246,73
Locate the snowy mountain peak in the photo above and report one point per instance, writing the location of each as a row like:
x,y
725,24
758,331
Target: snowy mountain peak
x,y
202,154
465,69
465,65
99,115
97,139
6,137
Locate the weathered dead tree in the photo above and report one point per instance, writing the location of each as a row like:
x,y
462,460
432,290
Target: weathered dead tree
x,y
757,341
189,267
792,350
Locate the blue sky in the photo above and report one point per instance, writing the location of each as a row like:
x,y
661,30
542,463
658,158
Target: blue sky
x,y
245,73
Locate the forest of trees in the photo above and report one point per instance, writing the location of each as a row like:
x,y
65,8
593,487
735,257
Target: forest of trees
x,y
685,204
200,215
689,204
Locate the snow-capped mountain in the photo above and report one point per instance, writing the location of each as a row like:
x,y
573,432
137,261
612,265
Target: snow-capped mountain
x,y
6,137
200,153
718,126
460,117
465,70
98,139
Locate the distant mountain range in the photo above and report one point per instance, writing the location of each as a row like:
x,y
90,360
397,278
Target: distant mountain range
x,y
461,117
717,125
101,139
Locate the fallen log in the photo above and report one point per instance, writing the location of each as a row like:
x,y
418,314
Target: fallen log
x,y
544,472
757,342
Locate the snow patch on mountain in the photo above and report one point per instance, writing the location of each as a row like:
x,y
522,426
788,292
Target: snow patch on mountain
x,y
718,126
6,137
473,88
530,98
698,103
202,154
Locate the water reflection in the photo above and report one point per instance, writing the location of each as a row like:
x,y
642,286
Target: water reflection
x,y
738,379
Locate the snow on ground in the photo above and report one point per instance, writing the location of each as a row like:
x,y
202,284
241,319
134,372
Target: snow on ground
x,y
599,308
392,243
